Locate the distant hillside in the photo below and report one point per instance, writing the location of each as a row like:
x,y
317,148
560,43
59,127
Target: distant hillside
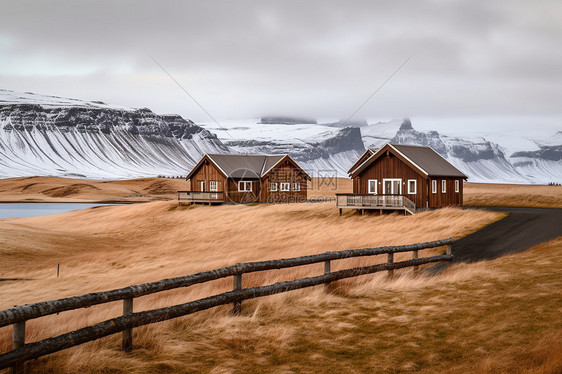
x,y
45,135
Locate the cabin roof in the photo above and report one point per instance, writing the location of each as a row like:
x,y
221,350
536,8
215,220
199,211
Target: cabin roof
x,y
245,166
429,162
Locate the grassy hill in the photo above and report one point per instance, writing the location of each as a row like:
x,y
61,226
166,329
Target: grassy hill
x,y
491,317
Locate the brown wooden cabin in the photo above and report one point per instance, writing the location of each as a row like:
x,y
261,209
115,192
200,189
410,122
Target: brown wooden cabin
x,y
220,178
403,177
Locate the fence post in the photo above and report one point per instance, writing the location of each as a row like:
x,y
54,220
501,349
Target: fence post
x,y
127,340
327,270
237,308
416,267
391,261
18,340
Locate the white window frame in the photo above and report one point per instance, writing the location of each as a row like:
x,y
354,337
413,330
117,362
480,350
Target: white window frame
x,y
202,185
414,191
213,186
245,184
285,186
296,186
434,186
369,186
443,186
457,185
392,180
273,186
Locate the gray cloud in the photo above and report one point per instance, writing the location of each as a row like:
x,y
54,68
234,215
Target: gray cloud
x,y
314,58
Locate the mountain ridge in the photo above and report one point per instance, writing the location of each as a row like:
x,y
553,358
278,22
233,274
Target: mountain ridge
x,y
67,137
49,135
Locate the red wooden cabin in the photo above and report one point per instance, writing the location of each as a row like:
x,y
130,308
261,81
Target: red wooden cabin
x,y
219,178
403,177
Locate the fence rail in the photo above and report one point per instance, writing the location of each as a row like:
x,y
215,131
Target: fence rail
x,y
18,315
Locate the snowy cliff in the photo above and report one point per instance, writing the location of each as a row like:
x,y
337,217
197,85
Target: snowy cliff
x,y
43,135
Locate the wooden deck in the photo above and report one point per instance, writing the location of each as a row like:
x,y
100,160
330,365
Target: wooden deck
x,y
199,197
374,202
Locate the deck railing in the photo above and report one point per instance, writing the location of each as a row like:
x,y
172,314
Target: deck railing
x,y
17,316
371,201
201,197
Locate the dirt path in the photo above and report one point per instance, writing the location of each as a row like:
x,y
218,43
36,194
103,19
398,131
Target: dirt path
x,y
522,229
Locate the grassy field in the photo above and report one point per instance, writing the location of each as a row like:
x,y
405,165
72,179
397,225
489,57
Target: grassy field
x,y
514,195
54,189
500,316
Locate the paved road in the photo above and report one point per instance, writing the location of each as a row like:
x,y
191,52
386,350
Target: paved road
x,y
522,229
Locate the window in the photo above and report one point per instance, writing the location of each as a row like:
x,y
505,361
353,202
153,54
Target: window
x,y
457,185
392,186
213,186
412,184
443,186
273,186
202,184
285,186
433,186
296,186
372,186
244,186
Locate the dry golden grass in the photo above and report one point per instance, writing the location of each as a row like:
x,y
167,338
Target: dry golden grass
x,y
475,194
108,247
328,187
501,316
514,195
101,247
55,189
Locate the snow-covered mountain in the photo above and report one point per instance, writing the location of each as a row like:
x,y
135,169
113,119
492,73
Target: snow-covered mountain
x,y
317,148
493,157
337,145
45,135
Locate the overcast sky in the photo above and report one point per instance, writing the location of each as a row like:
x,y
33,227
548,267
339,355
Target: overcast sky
x,y
242,59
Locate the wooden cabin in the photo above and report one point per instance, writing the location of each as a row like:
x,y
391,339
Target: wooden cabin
x,y
403,177
220,178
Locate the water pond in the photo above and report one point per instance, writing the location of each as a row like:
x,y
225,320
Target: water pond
x,y
12,210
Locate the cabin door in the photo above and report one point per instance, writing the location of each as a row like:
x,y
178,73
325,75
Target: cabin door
x,y
392,186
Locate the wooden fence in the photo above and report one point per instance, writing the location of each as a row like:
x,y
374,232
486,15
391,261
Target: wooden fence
x,y
17,316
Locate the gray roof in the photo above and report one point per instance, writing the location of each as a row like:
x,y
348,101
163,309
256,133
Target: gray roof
x,y
245,166
429,161
424,158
